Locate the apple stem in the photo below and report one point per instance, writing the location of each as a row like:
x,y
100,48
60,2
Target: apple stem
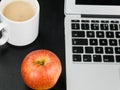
x,y
42,62
41,89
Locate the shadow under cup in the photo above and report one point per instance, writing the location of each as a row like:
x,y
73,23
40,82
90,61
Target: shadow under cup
x,y
19,33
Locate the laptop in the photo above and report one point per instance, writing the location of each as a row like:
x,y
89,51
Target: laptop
x,y
92,44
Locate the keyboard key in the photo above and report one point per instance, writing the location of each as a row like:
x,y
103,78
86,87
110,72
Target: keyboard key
x,y
94,26
114,21
93,42
100,34
97,58
75,26
80,41
117,34
85,26
77,49
88,49
90,34
75,20
78,34
118,58
77,58
95,21
109,50
108,58
103,42
113,27
113,42
119,42
87,21
117,50
104,21
110,34
87,58
104,26
99,50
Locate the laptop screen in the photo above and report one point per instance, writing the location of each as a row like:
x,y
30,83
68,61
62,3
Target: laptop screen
x,y
97,2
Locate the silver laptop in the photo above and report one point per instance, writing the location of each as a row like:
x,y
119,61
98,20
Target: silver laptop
x,y
92,42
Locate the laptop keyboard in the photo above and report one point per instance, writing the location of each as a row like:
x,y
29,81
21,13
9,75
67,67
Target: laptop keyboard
x,y
96,41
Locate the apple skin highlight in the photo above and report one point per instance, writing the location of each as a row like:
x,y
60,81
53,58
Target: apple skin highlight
x,y
41,69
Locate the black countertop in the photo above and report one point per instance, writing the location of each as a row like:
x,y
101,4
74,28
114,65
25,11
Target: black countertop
x,y
51,37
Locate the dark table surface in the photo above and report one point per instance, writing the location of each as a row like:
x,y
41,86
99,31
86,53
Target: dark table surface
x,y
51,37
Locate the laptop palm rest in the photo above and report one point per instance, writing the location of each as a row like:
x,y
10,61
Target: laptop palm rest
x,y
94,77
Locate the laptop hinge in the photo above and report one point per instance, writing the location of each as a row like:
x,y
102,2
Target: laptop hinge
x,y
99,16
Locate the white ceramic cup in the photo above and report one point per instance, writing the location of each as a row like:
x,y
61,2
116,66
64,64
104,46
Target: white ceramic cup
x,y
19,33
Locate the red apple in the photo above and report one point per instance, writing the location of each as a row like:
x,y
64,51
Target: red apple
x,y
41,69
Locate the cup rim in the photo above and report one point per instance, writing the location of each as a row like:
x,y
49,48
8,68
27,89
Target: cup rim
x,y
26,21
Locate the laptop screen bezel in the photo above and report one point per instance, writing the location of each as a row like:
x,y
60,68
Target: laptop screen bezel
x,y
71,7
